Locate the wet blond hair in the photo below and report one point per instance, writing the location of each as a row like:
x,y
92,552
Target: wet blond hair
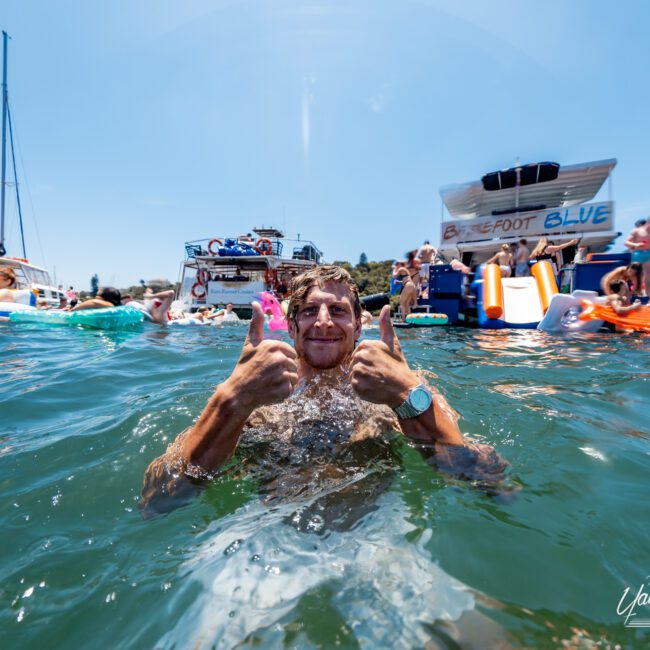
x,y
319,276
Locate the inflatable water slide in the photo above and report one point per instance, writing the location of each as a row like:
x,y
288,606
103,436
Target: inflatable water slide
x,y
505,302
531,302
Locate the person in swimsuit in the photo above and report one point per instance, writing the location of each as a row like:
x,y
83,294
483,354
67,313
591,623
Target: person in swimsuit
x,y
408,297
154,305
504,259
546,250
521,259
8,283
106,297
639,243
426,255
625,274
619,298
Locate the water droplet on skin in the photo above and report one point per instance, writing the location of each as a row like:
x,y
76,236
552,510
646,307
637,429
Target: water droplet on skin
x,y
256,558
234,547
273,570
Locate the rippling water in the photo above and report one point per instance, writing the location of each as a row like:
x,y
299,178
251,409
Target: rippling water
x,y
395,555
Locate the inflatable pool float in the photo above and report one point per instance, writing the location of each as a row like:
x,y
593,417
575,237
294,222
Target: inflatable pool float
x,y
233,248
8,308
188,321
111,318
563,313
638,320
229,318
426,320
276,319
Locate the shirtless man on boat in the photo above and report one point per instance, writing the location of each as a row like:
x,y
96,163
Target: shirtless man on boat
x,y
380,391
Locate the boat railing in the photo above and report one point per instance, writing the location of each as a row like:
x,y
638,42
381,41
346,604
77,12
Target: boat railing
x,y
285,249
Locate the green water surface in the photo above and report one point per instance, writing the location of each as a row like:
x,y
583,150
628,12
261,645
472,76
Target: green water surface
x,y
426,557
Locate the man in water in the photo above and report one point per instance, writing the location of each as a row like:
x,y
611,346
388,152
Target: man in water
x,y
370,384
639,243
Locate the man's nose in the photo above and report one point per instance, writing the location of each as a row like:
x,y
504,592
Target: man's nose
x,y
323,316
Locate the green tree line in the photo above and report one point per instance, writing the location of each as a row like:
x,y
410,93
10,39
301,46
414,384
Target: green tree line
x,y
370,277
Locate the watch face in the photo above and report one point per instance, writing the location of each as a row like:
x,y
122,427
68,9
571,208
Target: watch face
x,y
420,399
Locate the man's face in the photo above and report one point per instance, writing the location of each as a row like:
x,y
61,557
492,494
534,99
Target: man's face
x,y
326,328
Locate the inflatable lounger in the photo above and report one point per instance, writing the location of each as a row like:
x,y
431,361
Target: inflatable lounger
x,y
111,318
563,313
188,322
227,319
638,320
8,308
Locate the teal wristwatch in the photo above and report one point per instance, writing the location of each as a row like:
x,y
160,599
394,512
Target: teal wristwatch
x,y
418,401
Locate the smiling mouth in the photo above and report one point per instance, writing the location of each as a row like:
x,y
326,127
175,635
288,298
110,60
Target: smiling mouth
x,y
318,339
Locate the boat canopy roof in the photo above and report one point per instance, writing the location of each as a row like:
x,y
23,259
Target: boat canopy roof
x,y
541,186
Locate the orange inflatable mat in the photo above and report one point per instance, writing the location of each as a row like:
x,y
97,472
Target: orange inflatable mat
x,y
637,320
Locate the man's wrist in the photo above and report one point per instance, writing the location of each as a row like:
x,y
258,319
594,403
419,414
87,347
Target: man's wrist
x,y
234,397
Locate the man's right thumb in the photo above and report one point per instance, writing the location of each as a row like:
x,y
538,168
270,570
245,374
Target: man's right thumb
x,y
256,327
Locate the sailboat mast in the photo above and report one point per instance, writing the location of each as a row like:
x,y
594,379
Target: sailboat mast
x,y
3,182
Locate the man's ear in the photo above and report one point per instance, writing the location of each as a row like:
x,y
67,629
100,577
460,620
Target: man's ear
x,y
291,328
357,329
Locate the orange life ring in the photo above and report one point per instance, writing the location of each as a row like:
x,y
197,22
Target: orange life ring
x,y
267,249
203,292
212,241
18,259
203,277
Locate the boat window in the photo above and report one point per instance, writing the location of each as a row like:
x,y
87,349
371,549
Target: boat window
x,y
36,276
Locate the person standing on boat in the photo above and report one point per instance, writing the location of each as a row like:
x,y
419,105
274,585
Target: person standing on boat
x,y
371,381
409,276
521,259
638,242
425,255
504,259
546,250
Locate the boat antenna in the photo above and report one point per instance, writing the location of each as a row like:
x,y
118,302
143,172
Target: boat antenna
x,y
3,250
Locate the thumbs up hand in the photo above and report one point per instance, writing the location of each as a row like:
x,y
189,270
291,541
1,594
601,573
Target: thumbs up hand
x,y
378,371
267,370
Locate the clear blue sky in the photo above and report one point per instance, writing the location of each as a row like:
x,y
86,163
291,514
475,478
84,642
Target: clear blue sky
x,y
146,123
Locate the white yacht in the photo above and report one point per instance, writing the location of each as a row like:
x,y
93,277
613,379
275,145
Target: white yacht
x,y
222,270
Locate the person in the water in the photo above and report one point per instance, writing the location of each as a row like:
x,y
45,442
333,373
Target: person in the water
x,y
324,318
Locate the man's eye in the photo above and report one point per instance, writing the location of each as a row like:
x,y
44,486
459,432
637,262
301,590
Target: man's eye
x,y
309,311
337,310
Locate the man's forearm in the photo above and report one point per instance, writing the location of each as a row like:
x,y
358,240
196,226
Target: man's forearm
x,y
437,424
214,437
173,478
